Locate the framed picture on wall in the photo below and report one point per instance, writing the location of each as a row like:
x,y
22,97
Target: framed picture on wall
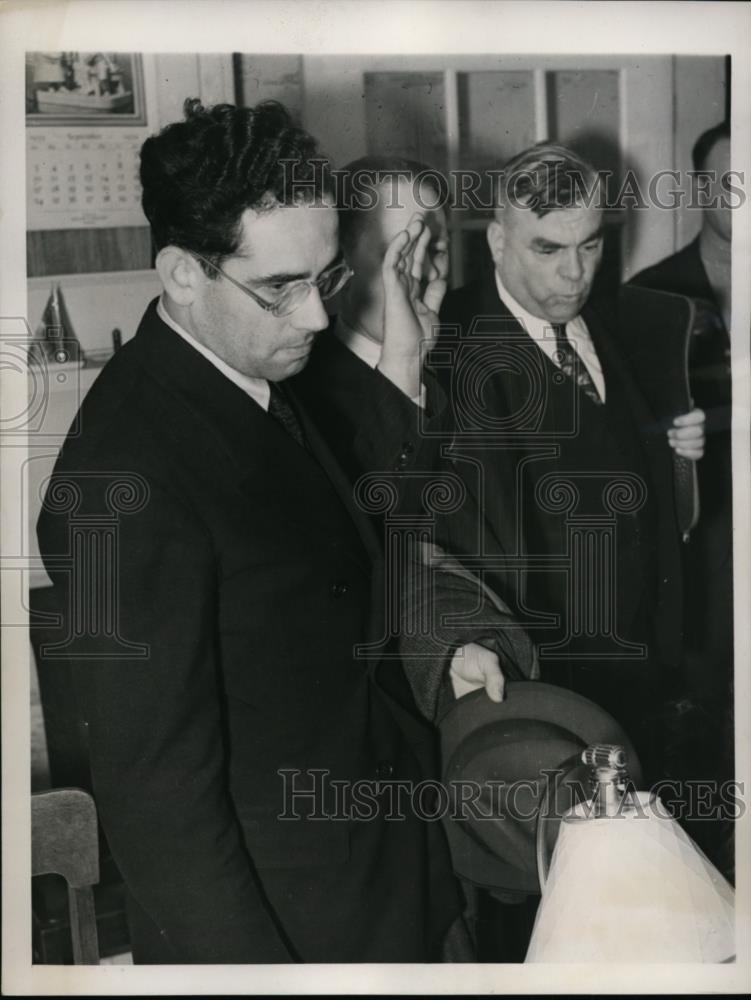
x,y
83,88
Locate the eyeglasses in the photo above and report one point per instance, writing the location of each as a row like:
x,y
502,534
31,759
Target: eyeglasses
x,y
294,294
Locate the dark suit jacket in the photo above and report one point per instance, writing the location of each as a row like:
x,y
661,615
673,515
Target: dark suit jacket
x,y
709,554
524,431
344,394
362,415
709,369
683,273
248,577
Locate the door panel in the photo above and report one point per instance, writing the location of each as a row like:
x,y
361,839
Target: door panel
x,y
617,110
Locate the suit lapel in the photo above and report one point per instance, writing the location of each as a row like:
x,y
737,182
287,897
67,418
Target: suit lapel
x,y
695,276
338,480
614,370
614,367
487,317
257,443
507,327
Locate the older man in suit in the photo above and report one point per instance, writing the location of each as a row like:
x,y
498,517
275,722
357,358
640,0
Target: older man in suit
x,y
241,749
556,439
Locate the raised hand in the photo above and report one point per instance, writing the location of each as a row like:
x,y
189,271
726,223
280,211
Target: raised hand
x,y
414,279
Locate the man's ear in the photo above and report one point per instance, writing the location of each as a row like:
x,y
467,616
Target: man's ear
x,y
179,273
496,239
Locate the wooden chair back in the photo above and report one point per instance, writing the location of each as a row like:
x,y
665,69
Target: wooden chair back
x,y
64,841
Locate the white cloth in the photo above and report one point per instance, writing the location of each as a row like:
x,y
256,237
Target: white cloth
x,y
632,888
366,350
540,330
257,388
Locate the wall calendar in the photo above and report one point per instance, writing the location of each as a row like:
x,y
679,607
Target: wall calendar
x,y
83,178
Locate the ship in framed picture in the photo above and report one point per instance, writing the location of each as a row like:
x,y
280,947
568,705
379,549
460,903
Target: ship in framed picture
x,y
75,88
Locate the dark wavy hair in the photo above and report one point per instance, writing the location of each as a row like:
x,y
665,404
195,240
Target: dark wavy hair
x,y
199,175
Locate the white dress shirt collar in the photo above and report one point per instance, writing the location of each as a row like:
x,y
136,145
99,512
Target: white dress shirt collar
x,y
256,388
362,346
541,331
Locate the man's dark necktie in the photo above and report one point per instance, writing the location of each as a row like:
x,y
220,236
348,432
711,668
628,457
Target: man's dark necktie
x,y
281,410
572,365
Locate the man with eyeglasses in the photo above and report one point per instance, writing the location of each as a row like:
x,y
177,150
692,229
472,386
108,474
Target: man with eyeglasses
x,y
244,757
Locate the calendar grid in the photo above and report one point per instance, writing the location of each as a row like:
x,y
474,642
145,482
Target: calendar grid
x,y
83,179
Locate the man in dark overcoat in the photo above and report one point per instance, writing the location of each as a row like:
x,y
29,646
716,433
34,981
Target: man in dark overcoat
x,y
221,594
553,435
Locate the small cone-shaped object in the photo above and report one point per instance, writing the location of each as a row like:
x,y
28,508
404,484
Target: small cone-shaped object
x,y
55,339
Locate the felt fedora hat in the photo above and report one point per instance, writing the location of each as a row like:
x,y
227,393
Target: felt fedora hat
x,y
508,766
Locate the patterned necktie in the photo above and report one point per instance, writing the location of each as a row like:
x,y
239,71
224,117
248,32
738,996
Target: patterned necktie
x,y
572,365
281,410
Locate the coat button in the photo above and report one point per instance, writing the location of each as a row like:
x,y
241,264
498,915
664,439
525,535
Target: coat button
x,y
384,769
339,589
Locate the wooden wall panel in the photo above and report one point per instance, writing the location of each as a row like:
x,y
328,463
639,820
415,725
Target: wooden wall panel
x,y
82,251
